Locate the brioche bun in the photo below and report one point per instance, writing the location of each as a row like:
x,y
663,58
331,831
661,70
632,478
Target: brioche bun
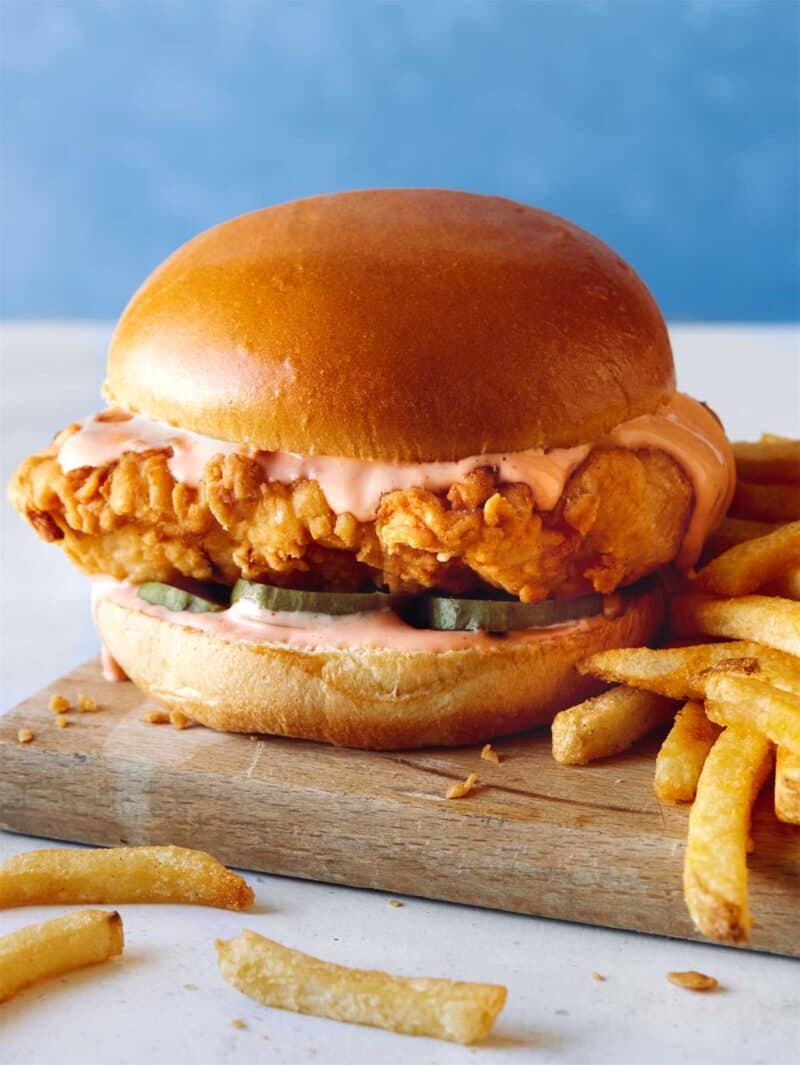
x,y
393,325
369,698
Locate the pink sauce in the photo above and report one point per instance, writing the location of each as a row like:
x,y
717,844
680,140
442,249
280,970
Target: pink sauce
x,y
246,622
683,428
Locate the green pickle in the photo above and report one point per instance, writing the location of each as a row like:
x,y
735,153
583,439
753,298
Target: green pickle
x,y
268,597
505,615
178,599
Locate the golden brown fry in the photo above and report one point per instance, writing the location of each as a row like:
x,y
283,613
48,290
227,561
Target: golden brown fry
x,y
286,979
715,866
680,672
770,461
607,724
683,754
747,703
767,619
786,586
121,874
787,786
58,946
746,567
766,502
732,531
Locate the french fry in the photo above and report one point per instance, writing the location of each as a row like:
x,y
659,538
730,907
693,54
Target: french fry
x,y
766,502
681,672
767,619
683,753
121,874
786,586
743,702
748,566
715,866
287,979
607,724
770,461
732,531
787,786
58,946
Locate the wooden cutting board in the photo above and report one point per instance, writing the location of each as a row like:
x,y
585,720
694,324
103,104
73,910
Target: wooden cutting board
x,y
581,844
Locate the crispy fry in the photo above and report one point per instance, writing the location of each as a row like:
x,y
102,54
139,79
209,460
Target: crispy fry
x,y
770,461
744,702
683,753
787,786
766,502
286,979
58,946
767,619
607,724
715,867
681,672
732,531
786,586
121,874
746,567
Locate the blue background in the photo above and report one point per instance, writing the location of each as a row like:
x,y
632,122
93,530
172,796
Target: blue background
x,y
667,127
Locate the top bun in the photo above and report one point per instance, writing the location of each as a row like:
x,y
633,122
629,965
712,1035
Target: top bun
x,y
400,325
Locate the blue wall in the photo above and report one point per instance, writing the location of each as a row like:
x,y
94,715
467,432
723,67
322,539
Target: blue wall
x,y
668,127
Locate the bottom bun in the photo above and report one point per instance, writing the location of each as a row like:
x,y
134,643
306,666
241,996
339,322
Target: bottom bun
x,y
374,698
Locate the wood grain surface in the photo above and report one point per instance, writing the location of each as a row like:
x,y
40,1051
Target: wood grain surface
x,y
581,844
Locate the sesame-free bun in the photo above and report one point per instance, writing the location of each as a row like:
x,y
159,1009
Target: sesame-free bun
x,y
369,698
394,325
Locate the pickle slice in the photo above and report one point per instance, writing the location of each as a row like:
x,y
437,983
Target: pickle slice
x,y
505,615
269,597
178,599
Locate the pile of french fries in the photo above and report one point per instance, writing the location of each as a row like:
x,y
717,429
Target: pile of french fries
x,y
733,704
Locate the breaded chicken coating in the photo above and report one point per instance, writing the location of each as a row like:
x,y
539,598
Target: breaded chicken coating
x,y
622,515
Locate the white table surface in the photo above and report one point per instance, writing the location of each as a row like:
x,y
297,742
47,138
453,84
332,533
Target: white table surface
x,y
139,1008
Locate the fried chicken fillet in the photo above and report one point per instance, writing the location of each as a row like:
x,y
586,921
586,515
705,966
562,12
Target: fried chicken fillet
x,y
622,515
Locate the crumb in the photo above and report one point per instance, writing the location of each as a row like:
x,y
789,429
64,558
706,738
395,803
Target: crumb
x,y
489,754
239,1023
598,976
619,780
462,787
252,737
62,721
155,717
191,987
25,735
178,719
395,902
59,704
693,981
87,705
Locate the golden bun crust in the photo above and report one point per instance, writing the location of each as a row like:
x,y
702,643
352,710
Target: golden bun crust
x,y
368,698
393,325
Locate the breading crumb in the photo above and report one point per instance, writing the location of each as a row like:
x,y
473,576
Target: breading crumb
x,y
87,705
489,754
62,721
59,703
24,735
178,719
693,981
239,1023
395,902
155,717
598,976
462,788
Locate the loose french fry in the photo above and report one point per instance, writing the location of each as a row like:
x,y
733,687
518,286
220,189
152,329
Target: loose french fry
x,y
680,672
775,461
121,874
767,619
746,567
766,502
54,947
787,786
286,979
683,753
715,866
607,724
732,531
743,702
